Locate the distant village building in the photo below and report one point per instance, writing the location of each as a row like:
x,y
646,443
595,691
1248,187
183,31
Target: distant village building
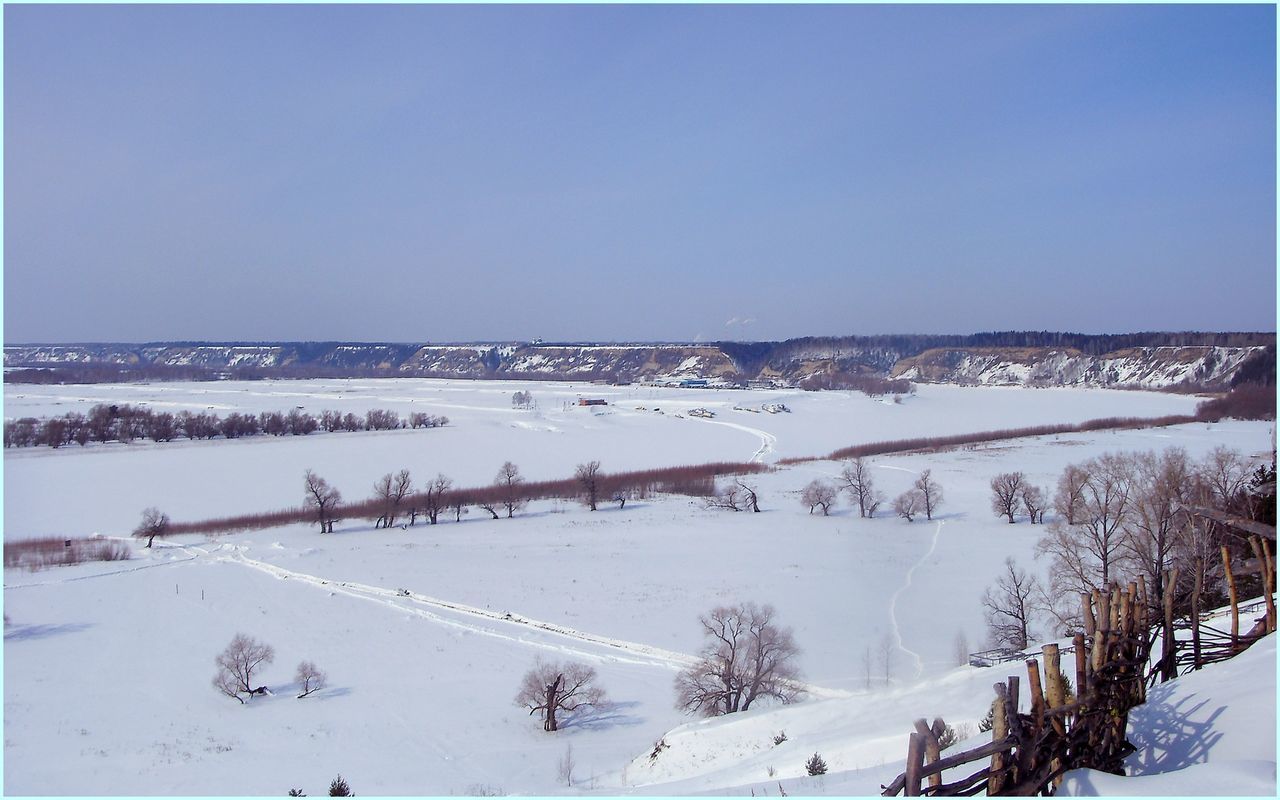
x,y
591,401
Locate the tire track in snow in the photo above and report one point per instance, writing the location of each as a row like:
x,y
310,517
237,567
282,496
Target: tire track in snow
x,y
618,650
893,603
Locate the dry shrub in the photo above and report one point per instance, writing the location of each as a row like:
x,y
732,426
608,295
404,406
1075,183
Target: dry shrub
x,y
1246,401
36,554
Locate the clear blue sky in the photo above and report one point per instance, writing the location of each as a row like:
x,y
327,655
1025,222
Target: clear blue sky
x,y
411,173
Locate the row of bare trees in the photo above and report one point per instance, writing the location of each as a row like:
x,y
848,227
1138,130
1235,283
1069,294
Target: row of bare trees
x,y
126,423
396,499
924,496
1119,517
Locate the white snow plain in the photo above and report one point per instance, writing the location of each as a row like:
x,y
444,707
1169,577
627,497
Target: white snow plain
x,y
108,665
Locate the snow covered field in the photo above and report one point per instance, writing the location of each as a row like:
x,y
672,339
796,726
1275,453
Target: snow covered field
x,y
107,665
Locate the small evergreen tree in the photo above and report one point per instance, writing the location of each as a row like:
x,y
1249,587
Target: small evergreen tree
x,y
989,721
339,788
815,765
297,793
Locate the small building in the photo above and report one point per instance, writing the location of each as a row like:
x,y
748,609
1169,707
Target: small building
x,y
692,383
591,401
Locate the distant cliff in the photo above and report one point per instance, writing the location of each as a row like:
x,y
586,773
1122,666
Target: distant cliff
x,y
1146,360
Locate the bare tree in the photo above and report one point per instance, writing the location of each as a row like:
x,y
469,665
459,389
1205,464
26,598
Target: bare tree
x,y
1091,553
1033,500
856,479
310,678
818,494
1069,496
866,665
887,649
1006,491
725,497
435,498
1008,607
750,497
391,491
1162,485
747,657
238,663
961,648
154,523
508,480
323,500
930,492
553,688
564,768
588,476
908,504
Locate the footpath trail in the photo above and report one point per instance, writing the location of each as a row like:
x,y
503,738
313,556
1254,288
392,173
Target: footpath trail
x,y
893,603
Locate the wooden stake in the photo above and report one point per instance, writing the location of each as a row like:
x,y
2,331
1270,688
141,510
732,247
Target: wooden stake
x,y
932,752
915,764
1195,615
1168,664
999,731
1267,587
1082,668
1231,590
1086,613
1037,695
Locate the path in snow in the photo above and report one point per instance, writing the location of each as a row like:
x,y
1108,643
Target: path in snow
x,y
893,603
767,440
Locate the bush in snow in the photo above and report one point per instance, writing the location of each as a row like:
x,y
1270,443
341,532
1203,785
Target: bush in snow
x,y
818,493
780,738
815,765
310,678
237,664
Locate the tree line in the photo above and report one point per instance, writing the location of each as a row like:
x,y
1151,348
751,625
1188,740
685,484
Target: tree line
x,y
395,496
126,423
1122,517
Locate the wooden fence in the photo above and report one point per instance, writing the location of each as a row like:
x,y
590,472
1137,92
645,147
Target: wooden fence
x,y
1029,753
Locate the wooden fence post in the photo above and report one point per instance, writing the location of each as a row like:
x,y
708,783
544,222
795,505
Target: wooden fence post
x,y
999,732
1168,656
1082,667
932,752
1195,615
1268,585
915,764
1231,591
